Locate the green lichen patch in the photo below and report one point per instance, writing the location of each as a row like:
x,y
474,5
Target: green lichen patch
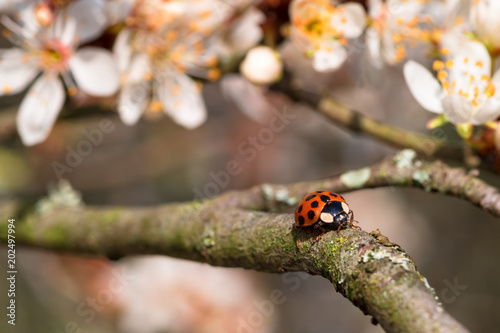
x,y
381,253
268,192
63,195
357,178
421,176
208,237
404,159
280,195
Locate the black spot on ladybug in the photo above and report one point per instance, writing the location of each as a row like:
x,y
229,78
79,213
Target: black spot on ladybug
x,y
319,191
333,194
314,204
325,198
301,220
310,214
299,209
310,197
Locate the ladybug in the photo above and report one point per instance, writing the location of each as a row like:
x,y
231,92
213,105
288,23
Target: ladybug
x,y
323,209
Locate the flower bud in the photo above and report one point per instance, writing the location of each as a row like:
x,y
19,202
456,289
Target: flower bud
x,y
262,65
43,14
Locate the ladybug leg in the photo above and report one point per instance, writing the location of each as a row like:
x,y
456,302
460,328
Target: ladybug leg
x,y
352,221
318,226
317,238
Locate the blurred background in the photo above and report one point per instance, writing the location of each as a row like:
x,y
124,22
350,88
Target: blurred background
x,y
157,161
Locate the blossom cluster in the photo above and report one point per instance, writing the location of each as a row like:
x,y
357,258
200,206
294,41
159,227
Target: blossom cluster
x,y
462,38
160,47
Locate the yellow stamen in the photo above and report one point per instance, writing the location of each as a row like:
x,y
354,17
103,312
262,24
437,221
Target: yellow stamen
x,y
155,106
437,65
489,91
72,91
442,75
214,74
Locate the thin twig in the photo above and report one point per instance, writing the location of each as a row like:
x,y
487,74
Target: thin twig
x,y
405,169
361,123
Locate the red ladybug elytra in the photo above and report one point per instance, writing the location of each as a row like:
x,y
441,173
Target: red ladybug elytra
x,y
323,209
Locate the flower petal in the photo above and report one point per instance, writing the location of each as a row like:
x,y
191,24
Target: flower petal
x,y
8,6
132,101
375,7
470,63
423,86
350,20
488,112
122,49
25,14
404,10
458,109
95,71
181,99
484,18
90,17
299,40
17,70
250,99
139,67
246,32
117,11
68,32
388,49
39,109
330,56
372,40
491,108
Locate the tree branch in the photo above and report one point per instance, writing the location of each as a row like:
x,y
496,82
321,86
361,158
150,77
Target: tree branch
x,y
378,278
405,169
360,123
241,229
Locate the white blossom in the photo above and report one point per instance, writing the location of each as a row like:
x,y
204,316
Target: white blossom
x,y
166,41
464,89
321,28
394,24
52,52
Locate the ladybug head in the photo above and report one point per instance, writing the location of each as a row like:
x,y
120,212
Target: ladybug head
x,y
335,212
